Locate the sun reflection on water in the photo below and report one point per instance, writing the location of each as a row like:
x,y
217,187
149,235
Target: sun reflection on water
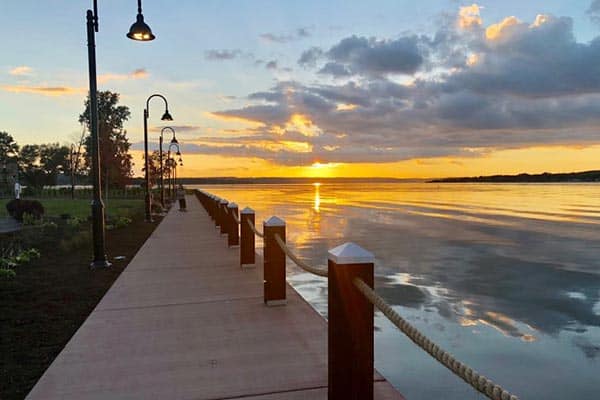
x,y
317,203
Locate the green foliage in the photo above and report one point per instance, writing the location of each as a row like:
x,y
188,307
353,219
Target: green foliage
x,y
78,240
80,208
119,222
41,164
74,222
12,258
29,220
8,147
115,159
7,274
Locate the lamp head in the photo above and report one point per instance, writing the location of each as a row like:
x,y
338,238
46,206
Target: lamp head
x,y
174,140
181,163
166,116
140,30
178,153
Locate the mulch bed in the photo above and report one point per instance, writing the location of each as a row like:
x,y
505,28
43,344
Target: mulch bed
x,y
49,299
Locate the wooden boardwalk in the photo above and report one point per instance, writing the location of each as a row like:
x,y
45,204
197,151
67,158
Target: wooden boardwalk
x,y
184,321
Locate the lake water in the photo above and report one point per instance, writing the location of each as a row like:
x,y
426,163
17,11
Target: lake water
x,y
505,277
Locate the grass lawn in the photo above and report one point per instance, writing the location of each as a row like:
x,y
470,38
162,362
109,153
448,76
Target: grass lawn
x,y
81,208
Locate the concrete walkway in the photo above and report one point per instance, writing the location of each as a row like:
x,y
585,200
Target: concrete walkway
x,y
183,321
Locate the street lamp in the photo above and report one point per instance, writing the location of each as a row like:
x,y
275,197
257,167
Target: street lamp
x,y
173,165
166,117
173,141
138,31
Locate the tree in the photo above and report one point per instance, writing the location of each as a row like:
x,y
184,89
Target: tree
x,y
76,164
8,156
40,165
115,160
8,147
154,167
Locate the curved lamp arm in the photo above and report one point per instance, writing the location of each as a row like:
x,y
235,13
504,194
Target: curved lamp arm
x,y
166,116
164,129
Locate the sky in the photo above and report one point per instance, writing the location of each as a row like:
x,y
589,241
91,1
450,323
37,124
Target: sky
x,y
321,88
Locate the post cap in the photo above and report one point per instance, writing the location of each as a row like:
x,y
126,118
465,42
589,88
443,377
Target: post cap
x,y
247,210
274,221
223,201
232,205
350,253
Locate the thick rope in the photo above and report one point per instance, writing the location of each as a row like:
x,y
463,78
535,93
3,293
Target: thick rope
x,y
298,261
257,233
473,378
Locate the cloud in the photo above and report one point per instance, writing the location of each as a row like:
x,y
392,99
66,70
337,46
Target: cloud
x,y
309,57
369,56
474,88
593,11
298,34
22,70
335,69
44,90
178,128
140,73
469,17
222,55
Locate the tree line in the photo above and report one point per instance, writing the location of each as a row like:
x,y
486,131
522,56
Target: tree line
x,y
39,165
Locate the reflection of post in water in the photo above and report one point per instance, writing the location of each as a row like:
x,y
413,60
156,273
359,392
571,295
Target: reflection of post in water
x,y
317,204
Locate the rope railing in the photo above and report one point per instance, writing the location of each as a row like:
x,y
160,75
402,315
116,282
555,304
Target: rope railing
x,y
298,261
472,377
365,297
480,382
256,232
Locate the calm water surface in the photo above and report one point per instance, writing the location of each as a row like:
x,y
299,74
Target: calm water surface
x,y
506,277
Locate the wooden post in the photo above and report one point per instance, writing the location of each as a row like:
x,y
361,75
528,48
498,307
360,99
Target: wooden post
x,y
247,242
233,235
274,263
216,205
350,326
224,217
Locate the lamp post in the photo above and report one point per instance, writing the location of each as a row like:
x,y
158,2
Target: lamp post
x,y
166,117
138,31
173,141
173,164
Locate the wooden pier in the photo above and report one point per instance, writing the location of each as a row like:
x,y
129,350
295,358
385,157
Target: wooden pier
x,y
185,321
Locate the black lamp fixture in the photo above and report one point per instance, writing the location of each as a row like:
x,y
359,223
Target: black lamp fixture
x,y
140,30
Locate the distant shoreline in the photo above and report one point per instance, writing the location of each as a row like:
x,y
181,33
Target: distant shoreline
x,y
570,177
281,180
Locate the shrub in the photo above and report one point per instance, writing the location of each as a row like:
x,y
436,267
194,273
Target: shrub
x,y
7,274
74,222
17,208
